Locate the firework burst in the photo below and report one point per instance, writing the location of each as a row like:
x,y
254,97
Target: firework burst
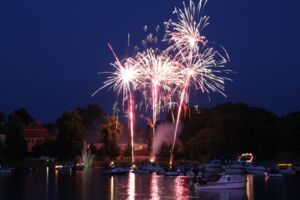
x,y
164,77
160,76
201,66
124,80
185,33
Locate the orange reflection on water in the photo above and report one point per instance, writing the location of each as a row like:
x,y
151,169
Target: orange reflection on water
x,y
154,187
131,188
249,187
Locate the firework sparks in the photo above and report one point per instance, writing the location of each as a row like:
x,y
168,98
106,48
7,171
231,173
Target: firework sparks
x,y
124,80
201,66
185,32
162,76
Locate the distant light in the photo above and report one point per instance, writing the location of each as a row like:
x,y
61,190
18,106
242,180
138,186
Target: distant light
x,y
285,165
112,163
152,160
58,166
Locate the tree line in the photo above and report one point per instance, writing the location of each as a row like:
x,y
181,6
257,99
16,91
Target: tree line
x,y
223,131
66,134
230,129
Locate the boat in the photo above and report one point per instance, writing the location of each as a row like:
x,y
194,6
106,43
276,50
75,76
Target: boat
x,y
172,172
224,182
156,167
213,167
67,168
78,166
143,169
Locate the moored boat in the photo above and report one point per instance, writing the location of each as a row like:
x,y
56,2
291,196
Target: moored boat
x,y
224,182
63,168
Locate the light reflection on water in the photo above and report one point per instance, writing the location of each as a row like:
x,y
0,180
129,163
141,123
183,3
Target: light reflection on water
x,y
181,188
86,185
249,187
131,187
112,188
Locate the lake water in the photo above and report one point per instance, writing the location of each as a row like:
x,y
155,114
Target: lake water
x,y
86,185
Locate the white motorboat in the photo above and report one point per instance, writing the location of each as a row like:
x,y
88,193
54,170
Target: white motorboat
x,y
224,182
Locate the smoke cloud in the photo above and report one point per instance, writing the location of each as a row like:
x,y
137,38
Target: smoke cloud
x,y
164,133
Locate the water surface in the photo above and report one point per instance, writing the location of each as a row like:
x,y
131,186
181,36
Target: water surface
x,y
48,185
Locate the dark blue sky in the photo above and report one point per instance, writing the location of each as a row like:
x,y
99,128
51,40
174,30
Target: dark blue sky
x,y
51,51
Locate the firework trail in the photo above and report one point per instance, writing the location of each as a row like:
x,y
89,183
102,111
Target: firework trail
x,y
201,66
124,80
159,76
162,76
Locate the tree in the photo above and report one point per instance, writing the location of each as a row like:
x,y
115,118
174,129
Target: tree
x,y
92,116
24,115
290,133
15,142
231,129
111,135
2,118
70,134
127,151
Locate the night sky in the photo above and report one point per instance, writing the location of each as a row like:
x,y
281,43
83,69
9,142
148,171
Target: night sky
x,y
51,51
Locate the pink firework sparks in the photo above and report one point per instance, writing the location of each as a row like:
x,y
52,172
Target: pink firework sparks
x,y
124,80
160,76
201,66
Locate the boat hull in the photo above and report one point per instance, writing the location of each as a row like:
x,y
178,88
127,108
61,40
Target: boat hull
x,y
215,186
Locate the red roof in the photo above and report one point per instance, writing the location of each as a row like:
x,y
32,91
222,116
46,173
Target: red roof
x,y
35,130
142,153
